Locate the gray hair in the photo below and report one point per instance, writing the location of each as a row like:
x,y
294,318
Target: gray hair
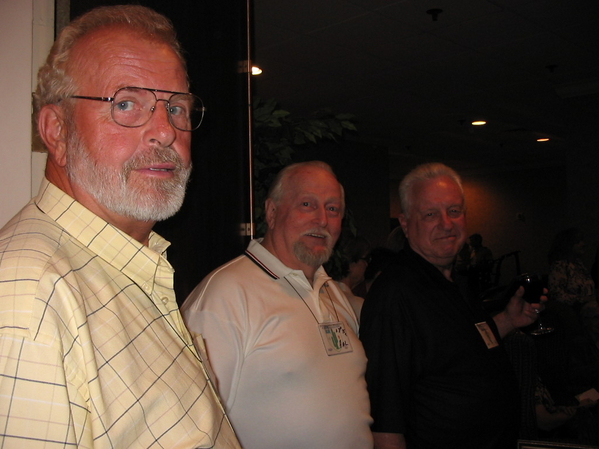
x,y
54,84
278,187
422,173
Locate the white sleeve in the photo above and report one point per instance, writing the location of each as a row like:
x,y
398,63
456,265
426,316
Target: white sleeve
x,y
216,309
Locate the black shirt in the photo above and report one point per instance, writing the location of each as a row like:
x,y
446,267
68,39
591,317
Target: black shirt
x,y
430,374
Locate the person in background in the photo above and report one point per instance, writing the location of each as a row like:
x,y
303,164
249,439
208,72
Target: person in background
x,y
570,282
437,373
480,265
396,240
479,254
93,350
378,259
578,421
355,253
595,268
280,335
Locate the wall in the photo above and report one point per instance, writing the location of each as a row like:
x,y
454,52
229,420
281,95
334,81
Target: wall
x,y
518,211
26,33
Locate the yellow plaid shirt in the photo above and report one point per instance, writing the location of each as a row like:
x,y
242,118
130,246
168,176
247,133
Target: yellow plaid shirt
x,y
93,350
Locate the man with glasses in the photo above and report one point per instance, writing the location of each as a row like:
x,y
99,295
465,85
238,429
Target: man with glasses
x,y
93,350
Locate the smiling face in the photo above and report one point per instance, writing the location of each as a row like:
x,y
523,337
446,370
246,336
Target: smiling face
x,y
304,225
436,223
125,174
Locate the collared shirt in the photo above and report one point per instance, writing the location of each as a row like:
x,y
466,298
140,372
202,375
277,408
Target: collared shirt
x,y
431,374
281,388
93,349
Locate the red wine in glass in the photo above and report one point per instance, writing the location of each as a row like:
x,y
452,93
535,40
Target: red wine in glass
x,y
533,290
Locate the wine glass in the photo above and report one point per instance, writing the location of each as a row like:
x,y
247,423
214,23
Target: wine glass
x,y
533,290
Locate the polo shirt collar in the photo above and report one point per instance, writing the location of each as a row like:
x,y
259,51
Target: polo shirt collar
x,y
275,268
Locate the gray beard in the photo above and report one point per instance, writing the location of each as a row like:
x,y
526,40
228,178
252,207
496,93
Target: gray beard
x,y
150,200
310,258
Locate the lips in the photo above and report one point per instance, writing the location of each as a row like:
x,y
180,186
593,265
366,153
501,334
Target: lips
x,y
161,168
318,236
159,161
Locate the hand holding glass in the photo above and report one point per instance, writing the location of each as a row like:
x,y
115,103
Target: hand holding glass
x,y
533,290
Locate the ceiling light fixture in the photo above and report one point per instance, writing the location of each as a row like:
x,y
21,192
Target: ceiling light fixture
x,y
543,139
479,122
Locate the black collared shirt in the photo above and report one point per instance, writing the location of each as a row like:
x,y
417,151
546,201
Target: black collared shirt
x,y
430,374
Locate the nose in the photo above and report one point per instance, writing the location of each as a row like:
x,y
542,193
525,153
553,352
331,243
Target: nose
x,y
321,217
445,221
159,128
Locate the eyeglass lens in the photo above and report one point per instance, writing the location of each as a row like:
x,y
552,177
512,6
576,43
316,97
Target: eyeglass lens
x,y
133,107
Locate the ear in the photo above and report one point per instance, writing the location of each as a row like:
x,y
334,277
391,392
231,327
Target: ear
x,y
404,224
53,131
271,212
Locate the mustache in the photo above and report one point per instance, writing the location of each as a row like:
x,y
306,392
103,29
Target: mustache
x,y
156,155
319,231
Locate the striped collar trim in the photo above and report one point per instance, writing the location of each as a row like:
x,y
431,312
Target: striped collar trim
x,y
264,268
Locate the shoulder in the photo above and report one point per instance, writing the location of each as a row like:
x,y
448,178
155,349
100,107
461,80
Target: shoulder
x,y
560,266
29,244
223,282
30,231
405,272
32,263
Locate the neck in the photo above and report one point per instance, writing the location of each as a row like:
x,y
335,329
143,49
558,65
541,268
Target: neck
x,y
139,230
446,270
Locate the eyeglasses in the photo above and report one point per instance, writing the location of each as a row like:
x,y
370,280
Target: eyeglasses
x,y
133,107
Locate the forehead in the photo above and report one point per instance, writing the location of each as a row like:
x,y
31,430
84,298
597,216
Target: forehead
x,y
439,192
314,182
113,57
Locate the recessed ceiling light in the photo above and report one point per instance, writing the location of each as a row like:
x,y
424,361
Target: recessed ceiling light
x,y
479,122
256,70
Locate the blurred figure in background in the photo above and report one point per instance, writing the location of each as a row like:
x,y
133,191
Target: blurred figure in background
x,y
480,264
479,254
379,259
570,282
396,240
355,251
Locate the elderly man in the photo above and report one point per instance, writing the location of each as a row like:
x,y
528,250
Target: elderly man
x,y
437,373
93,350
280,335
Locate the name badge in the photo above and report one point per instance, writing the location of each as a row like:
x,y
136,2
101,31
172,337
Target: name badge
x,y
488,337
335,338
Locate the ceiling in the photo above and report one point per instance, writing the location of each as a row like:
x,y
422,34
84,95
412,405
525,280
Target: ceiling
x,y
530,68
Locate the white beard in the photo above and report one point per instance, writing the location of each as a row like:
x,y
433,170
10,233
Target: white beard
x,y
147,200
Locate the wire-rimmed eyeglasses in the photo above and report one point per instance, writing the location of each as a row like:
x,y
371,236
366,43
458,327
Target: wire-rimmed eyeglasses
x,y
132,107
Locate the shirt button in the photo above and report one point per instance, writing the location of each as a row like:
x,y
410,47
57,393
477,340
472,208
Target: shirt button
x,y
165,300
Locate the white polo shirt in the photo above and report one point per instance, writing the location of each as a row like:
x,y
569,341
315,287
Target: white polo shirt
x,y
260,321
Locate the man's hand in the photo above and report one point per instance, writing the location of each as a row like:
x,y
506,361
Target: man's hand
x,y
518,313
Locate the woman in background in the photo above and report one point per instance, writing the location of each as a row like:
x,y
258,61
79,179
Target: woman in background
x,y
570,282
